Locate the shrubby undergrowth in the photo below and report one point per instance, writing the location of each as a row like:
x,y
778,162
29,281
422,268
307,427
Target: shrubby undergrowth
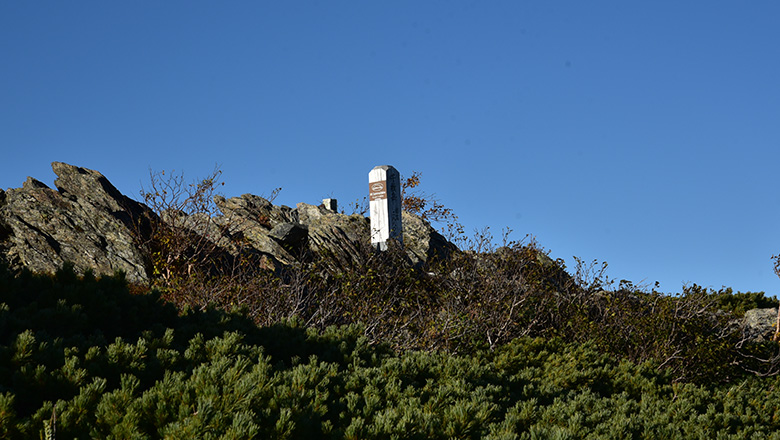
x,y
491,342
91,358
476,299
485,297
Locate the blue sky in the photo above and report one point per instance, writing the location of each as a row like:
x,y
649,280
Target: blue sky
x,y
644,134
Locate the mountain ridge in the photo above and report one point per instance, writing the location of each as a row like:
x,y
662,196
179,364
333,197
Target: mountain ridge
x,y
87,222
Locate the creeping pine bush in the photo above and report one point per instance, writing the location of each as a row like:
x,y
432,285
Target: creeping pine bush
x,y
494,342
150,372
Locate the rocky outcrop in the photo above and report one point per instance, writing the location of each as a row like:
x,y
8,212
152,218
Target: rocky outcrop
x,y
337,235
86,221
423,242
253,218
292,234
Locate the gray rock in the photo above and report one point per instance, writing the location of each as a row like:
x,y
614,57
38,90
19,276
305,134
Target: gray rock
x,y
5,230
256,209
292,235
87,222
342,236
252,218
31,183
423,242
308,214
338,236
759,324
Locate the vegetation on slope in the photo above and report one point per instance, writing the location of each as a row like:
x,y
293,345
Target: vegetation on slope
x,y
480,298
498,343
88,358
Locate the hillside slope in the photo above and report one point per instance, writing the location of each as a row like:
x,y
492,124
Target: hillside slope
x,y
83,357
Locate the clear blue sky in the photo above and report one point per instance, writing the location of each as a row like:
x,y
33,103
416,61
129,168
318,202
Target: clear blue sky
x,y
644,134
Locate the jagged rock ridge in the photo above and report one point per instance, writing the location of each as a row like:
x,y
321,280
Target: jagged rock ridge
x,y
86,221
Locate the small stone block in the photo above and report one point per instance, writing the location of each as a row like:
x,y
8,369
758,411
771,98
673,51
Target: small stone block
x,y
331,204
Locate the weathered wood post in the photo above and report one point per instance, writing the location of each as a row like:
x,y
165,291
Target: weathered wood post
x,y
384,195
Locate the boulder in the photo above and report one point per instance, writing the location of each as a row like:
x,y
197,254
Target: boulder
x,y
759,324
253,218
256,209
290,235
337,235
422,241
87,222
343,235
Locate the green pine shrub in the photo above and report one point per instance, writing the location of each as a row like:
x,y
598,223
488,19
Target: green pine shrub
x,y
215,374
498,343
740,302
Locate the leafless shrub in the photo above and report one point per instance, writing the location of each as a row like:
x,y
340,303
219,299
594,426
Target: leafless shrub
x,y
196,260
480,297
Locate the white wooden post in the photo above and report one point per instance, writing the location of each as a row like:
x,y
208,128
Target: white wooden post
x,y
384,195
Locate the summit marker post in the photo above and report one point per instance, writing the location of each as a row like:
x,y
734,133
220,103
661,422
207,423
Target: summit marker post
x,y
384,195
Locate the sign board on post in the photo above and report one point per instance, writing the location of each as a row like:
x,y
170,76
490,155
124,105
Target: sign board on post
x,y
384,198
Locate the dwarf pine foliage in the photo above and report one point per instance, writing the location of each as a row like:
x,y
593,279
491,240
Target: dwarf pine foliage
x,y
82,357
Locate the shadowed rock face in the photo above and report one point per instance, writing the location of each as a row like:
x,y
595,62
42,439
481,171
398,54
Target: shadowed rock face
x,y
86,221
